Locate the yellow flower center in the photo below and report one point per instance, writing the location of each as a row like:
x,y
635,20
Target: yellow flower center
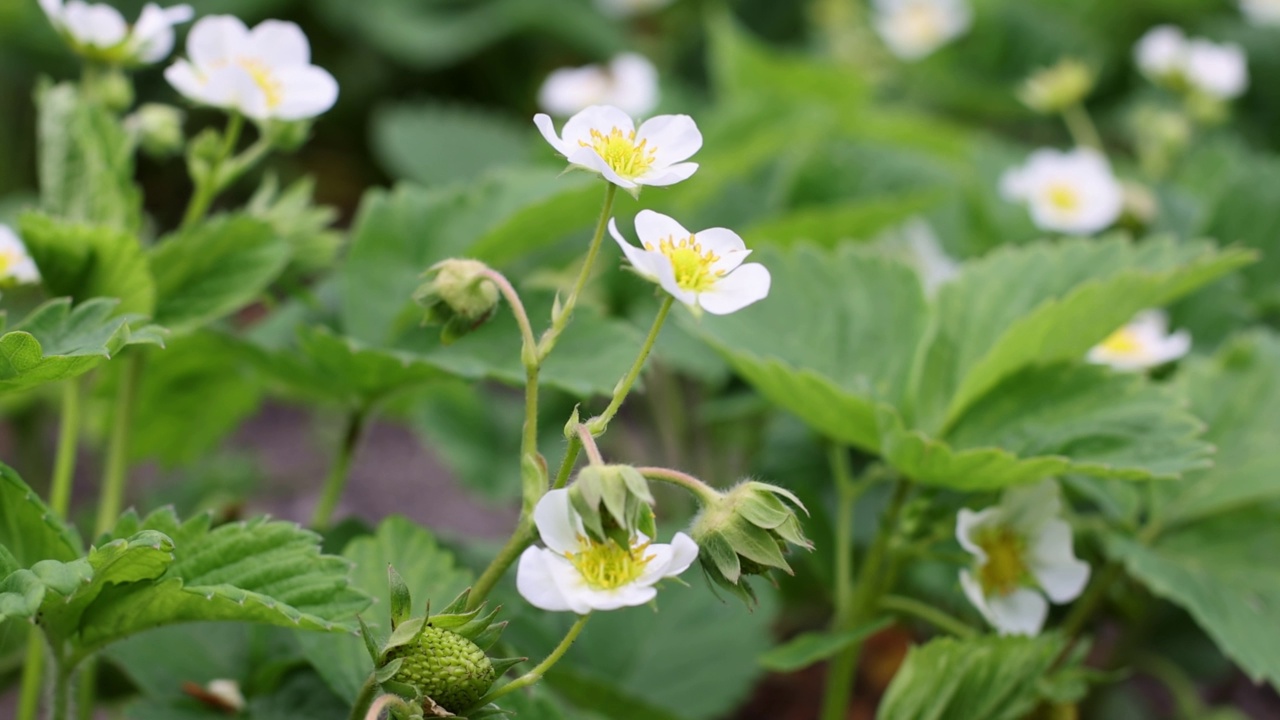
x,y
1005,569
8,258
1063,197
607,565
263,78
694,267
621,152
1122,342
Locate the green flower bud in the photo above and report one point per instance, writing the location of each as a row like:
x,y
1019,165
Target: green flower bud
x,y
613,501
158,128
747,531
113,89
288,136
458,296
1054,89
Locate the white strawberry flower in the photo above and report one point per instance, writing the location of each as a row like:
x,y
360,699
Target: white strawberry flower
x,y
703,270
629,82
914,29
628,8
100,32
1261,12
1142,344
1023,553
605,140
1168,57
16,265
579,574
264,73
1070,192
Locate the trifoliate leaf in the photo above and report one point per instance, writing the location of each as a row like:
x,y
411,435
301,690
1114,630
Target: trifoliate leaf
x,y
86,261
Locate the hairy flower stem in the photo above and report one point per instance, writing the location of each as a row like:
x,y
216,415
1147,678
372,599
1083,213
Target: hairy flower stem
x,y
536,674
61,709
841,673
209,185
589,443
599,423
561,319
1082,129
528,357
117,460
340,470
704,492
368,691
567,463
930,614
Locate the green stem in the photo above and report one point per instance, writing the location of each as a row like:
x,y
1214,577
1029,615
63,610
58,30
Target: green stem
x,y
339,471
567,463
599,423
536,674
1183,689
208,186
848,497
521,539
32,672
841,672
64,467
1082,129
589,443
704,492
61,694
368,691
928,613
117,460
561,319
528,357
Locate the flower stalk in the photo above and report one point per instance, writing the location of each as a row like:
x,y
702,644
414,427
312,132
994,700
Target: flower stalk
x,y
340,470
930,614
600,423
560,320
210,183
117,461
704,492
541,669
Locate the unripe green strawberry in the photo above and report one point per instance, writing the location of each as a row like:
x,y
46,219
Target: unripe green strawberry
x,y
446,667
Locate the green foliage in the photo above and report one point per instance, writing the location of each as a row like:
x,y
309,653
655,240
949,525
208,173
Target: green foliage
x,y
827,225
429,571
305,226
86,161
808,648
436,144
29,531
993,678
56,343
86,261
214,269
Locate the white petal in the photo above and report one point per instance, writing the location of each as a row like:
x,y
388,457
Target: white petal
x,y
98,25
587,158
557,524
645,263
152,36
1162,50
746,285
666,277
279,44
654,227
182,76
548,130
672,138
216,39
973,590
569,90
968,522
601,118
668,176
634,83
721,241
306,92
537,583
632,595
1053,562
53,9
1029,508
684,552
1021,612
233,87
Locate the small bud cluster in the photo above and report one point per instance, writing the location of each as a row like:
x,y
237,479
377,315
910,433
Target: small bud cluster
x,y
1057,88
457,295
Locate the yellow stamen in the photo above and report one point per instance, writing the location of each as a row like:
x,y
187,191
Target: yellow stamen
x,y
261,74
620,152
694,268
1063,197
1005,569
8,258
1122,342
608,566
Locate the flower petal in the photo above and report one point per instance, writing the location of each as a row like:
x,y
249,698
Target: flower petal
x,y
98,25
215,39
306,91
669,175
625,596
548,130
654,227
634,83
182,76
557,524
1021,612
672,138
684,552
748,284
279,44
152,36
601,118
589,159
1053,563
537,583
968,522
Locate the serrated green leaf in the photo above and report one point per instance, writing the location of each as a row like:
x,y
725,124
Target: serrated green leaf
x,y
1222,570
1044,303
87,261
144,556
434,144
305,226
1237,392
429,571
215,269
86,160
993,678
21,594
808,648
29,530
56,342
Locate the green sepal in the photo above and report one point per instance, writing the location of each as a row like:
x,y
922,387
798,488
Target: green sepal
x,y
404,690
488,711
533,481
477,624
401,600
455,621
388,671
502,665
407,632
369,643
487,637
457,605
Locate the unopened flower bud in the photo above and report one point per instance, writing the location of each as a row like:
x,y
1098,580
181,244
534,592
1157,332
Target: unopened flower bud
x,y
288,136
458,296
614,502
1054,89
747,531
1160,136
113,89
158,128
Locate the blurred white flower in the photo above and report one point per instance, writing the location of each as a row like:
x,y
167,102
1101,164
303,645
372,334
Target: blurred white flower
x,y
703,270
629,82
914,29
99,32
579,574
16,266
1023,552
605,139
928,256
1070,192
227,692
264,73
1142,344
1261,12
1167,57
627,8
